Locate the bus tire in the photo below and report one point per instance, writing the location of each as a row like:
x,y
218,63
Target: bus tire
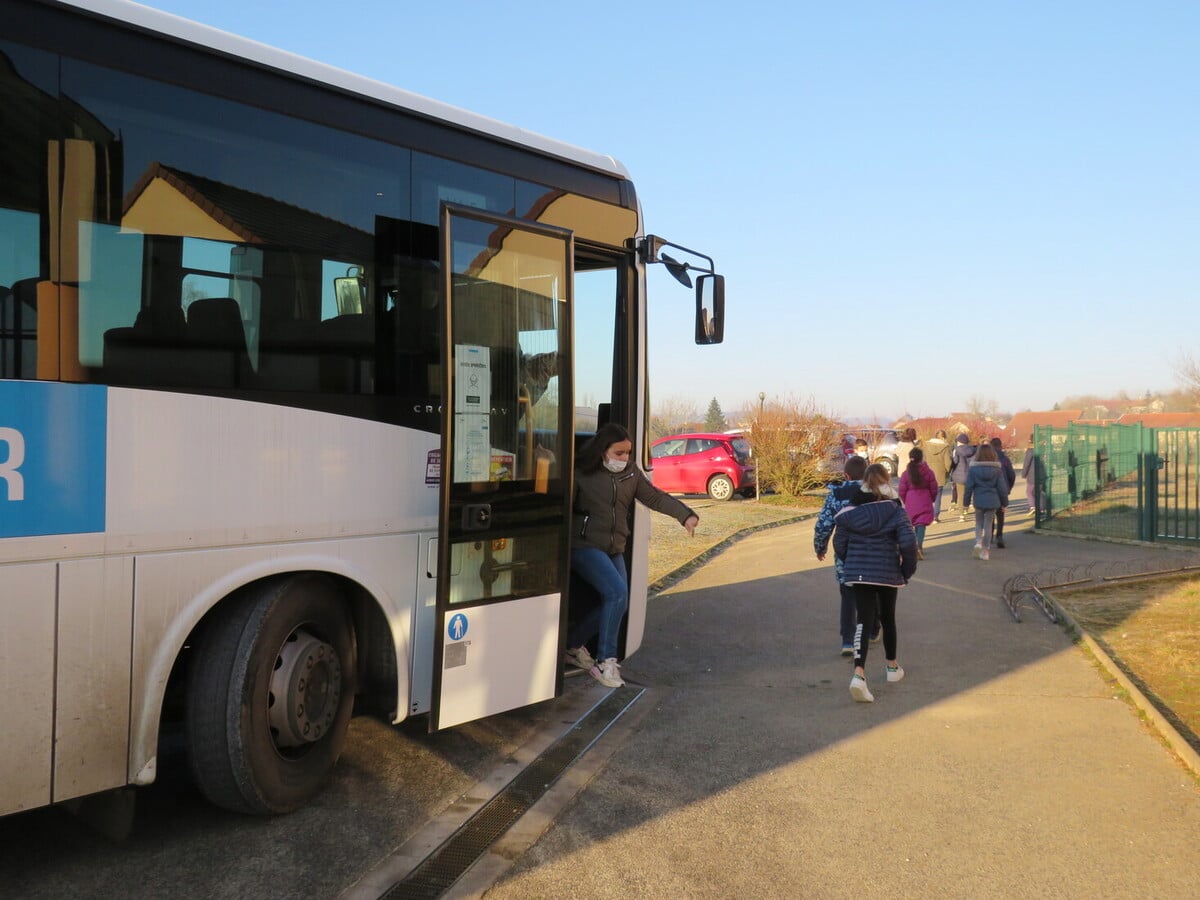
x,y
269,696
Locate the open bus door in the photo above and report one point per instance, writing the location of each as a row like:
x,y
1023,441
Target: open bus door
x,y
506,473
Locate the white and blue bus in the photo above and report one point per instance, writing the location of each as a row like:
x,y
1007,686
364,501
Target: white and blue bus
x,y
292,368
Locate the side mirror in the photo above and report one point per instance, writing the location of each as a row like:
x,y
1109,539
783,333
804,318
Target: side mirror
x,y
350,292
710,309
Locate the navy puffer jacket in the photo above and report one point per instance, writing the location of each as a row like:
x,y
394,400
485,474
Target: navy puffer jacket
x,y
987,486
876,543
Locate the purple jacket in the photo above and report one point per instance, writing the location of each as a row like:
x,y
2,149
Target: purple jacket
x,y
918,501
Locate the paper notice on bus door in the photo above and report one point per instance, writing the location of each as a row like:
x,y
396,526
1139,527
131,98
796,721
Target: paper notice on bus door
x,y
472,413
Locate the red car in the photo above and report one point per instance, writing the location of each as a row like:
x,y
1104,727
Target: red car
x,y
715,464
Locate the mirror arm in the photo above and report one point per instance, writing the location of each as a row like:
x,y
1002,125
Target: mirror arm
x,y
651,246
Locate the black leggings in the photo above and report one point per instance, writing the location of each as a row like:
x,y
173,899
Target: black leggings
x,y
874,600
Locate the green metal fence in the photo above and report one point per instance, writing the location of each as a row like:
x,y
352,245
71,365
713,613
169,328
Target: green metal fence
x,y
1119,481
1177,480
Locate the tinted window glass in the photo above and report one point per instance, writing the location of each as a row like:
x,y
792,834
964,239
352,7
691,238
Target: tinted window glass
x,y
29,121
668,448
203,244
220,265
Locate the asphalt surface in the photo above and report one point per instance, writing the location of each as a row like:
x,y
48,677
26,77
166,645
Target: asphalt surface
x,y
1005,764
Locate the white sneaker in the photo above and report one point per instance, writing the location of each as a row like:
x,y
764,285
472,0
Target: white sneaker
x,y
895,673
606,673
985,555
579,656
978,551
859,690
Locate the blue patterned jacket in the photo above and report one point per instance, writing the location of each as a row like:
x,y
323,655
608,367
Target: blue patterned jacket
x,y
839,495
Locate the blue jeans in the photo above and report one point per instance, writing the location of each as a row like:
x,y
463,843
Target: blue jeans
x,y
608,576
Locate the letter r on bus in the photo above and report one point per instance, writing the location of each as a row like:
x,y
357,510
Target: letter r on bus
x,y
8,468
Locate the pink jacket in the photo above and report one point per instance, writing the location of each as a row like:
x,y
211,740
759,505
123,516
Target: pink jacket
x,y
918,501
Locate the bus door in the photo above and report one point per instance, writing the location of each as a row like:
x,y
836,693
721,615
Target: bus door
x,y
506,470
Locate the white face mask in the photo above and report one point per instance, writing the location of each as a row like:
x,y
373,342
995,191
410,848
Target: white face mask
x,y
614,465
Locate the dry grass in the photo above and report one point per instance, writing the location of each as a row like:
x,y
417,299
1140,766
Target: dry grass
x,y
1151,629
671,548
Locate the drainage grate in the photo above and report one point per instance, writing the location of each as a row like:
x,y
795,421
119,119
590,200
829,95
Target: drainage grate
x,y
438,871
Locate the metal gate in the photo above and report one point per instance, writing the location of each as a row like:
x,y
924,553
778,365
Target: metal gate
x,y
1125,482
1175,476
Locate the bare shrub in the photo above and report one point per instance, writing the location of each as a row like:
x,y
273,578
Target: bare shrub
x,y
795,445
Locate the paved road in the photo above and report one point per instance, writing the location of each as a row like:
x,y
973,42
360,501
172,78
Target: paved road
x,y
1002,766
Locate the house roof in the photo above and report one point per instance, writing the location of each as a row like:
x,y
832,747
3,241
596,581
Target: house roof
x,y
254,218
1162,420
1021,424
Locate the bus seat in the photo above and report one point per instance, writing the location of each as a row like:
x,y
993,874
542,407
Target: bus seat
x,y
216,354
288,357
348,353
147,352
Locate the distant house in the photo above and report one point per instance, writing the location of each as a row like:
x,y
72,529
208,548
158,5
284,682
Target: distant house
x,y
1161,419
1020,426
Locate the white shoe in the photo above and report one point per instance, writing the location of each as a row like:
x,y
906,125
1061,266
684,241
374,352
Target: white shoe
x,y
579,656
606,673
985,555
978,551
895,674
859,690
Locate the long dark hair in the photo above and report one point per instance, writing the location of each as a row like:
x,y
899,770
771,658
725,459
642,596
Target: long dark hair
x,y
591,455
915,457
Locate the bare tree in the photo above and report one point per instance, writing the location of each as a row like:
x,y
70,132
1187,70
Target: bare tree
x,y
672,415
982,407
1187,373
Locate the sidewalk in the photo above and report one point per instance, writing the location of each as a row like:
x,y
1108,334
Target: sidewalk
x,y
1002,766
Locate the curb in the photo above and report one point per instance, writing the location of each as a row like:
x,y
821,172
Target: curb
x,y
1169,733
678,574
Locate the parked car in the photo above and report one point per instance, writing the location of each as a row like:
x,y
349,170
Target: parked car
x,y
833,462
881,447
715,464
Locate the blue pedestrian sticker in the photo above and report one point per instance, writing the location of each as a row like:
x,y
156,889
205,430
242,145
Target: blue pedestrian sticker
x,y
457,629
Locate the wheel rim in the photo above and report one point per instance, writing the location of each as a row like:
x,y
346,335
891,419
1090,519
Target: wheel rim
x,y
721,488
306,688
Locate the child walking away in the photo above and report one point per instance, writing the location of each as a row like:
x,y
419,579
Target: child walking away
x,y
878,548
937,457
918,491
607,485
1010,476
838,497
960,463
987,490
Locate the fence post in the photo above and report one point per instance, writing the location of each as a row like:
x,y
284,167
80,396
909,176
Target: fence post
x,y
1148,487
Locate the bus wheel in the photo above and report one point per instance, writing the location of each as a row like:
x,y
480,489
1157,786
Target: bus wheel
x,y
269,696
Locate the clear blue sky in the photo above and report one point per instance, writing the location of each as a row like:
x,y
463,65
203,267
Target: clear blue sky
x,y
914,203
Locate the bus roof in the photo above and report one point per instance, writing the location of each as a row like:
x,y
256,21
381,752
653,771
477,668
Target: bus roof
x,y
222,42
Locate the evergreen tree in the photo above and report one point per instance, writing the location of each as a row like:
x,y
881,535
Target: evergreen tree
x,y
714,419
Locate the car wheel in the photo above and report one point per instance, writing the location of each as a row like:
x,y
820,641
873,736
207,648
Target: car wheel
x,y
720,487
270,694
888,465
